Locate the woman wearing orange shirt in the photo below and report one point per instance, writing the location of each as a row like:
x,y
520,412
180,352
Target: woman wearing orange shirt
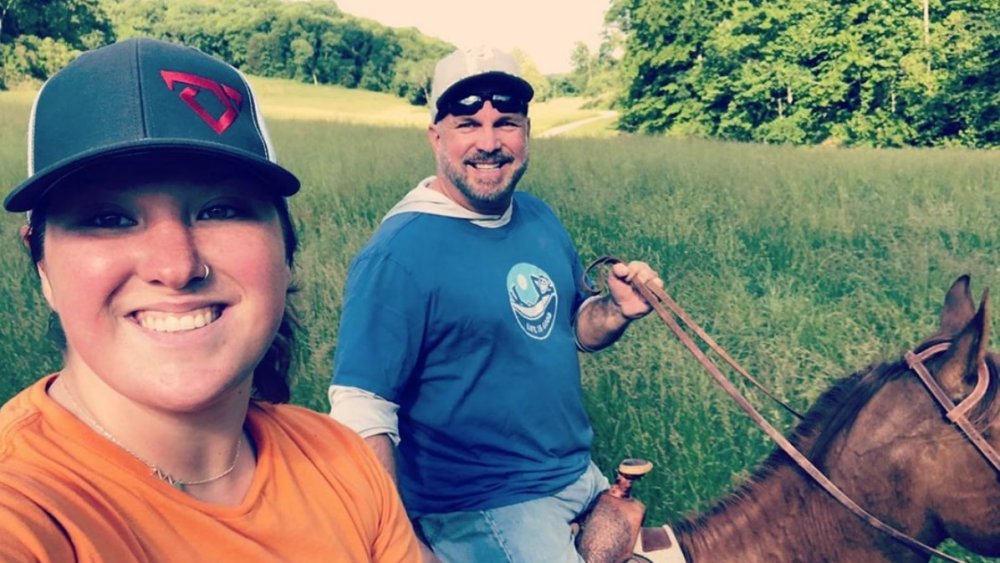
x,y
163,243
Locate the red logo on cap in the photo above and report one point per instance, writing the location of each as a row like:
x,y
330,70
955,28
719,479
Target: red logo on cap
x,y
230,98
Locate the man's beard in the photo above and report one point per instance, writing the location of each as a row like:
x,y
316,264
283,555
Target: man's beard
x,y
459,179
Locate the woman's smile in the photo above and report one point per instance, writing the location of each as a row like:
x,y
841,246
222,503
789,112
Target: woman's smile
x,y
161,321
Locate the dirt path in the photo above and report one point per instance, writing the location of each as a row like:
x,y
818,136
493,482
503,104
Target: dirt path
x,y
574,124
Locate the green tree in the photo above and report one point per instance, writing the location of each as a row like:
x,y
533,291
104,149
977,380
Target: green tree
x,y
664,53
39,37
861,72
6,7
412,81
81,24
309,41
414,68
133,19
582,67
531,73
378,59
964,91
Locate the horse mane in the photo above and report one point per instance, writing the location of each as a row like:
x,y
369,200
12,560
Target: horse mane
x,y
835,411
839,406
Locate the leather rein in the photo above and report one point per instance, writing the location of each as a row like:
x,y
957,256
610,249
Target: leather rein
x,y
661,301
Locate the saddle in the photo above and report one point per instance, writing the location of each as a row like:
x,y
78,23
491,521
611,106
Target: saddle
x,y
611,528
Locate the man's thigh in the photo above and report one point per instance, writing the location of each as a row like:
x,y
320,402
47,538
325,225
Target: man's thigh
x,y
526,532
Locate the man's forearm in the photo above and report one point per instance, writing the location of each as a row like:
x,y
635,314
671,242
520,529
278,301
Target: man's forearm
x,y
385,451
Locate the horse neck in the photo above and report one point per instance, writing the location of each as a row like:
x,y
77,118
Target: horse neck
x,y
782,518
782,515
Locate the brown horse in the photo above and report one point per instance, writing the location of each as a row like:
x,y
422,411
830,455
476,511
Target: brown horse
x,y
879,435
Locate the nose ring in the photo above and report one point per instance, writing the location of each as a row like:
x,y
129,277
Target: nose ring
x,y
208,272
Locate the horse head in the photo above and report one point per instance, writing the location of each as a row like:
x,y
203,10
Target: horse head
x,y
965,487
906,458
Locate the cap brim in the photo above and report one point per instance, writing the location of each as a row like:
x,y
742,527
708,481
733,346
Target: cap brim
x,y
518,85
29,193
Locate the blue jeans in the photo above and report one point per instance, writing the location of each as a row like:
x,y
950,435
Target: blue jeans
x,y
534,530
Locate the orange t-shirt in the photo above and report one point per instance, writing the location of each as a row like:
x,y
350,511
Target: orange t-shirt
x,y
69,494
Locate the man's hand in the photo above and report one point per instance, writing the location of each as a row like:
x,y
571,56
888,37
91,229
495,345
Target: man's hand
x,y
601,321
630,302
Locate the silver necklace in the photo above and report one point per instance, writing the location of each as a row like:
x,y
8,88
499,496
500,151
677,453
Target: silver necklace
x,y
159,473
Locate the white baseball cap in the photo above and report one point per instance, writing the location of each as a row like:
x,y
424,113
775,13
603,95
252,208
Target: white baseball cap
x,y
477,66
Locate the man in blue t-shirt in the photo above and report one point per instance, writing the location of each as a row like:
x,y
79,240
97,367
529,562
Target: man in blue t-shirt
x,y
462,319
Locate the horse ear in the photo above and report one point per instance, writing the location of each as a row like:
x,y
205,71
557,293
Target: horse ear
x,y
968,350
958,308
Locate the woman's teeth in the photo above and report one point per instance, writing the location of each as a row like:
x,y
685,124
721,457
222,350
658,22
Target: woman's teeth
x,y
170,322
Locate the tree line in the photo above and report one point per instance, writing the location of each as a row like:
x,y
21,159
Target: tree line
x,y
853,72
306,41
857,72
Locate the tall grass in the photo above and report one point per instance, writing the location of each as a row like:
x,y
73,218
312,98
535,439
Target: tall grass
x,y
806,264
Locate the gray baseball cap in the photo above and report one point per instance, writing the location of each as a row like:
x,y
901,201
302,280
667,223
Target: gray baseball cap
x,y
478,65
144,97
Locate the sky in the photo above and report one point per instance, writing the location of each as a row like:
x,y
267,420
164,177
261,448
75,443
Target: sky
x,y
547,30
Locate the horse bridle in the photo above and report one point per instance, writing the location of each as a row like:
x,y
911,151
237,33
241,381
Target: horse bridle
x,y
957,414
659,300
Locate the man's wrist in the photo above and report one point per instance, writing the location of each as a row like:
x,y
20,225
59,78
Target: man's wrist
x,y
621,312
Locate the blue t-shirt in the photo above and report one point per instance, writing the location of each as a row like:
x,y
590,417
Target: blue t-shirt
x,y
470,331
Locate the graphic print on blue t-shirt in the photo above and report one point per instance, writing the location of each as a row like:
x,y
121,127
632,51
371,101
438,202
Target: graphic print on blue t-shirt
x,y
533,298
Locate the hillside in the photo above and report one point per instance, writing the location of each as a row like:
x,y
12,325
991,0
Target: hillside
x,y
289,100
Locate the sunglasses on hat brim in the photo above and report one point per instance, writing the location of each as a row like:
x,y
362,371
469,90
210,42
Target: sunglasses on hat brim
x,y
472,103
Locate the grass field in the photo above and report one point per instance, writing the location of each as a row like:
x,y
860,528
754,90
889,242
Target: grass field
x,y
805,263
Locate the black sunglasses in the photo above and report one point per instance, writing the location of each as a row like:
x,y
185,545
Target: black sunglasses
x,y
469,105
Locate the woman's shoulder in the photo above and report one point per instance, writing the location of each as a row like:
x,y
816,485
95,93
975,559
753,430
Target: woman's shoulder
x,y
29,531
301,424
294,432
18,414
